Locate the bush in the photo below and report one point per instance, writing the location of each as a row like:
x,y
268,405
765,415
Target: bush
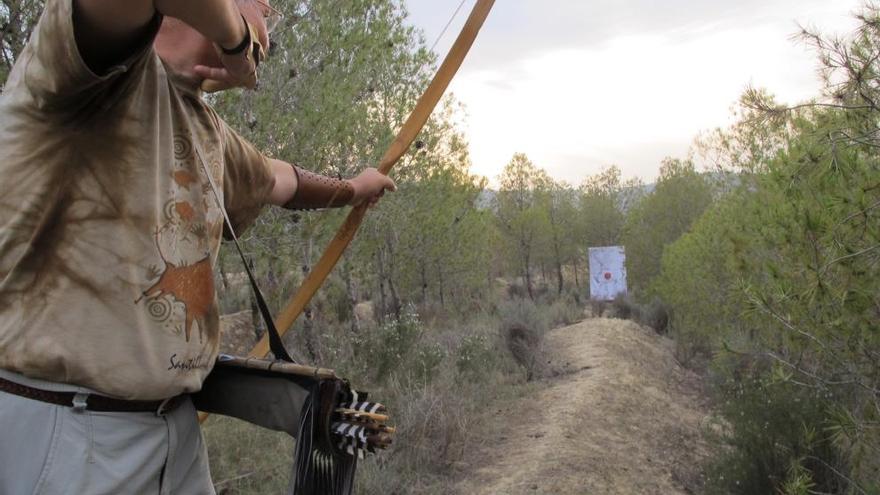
x,y
625,308
564,311
247,459
656,316
334,300
517,291
523,327
597,308
474,355
773,440
397,344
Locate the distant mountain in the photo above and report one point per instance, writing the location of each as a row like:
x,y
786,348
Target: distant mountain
x,y
628,197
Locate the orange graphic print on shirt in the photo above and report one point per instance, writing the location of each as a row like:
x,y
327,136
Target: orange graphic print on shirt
x,y
184,178
185,285
185,210
192,285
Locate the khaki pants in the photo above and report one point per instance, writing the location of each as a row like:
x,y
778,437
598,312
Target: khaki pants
x,y
54,450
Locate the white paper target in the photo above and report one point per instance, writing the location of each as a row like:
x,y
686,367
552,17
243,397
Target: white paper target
x,y
607,272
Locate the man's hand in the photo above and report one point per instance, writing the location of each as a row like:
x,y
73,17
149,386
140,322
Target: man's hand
x,y
369,186
239,68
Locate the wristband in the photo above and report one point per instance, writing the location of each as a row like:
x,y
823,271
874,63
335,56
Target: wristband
x,y
314,191
245,43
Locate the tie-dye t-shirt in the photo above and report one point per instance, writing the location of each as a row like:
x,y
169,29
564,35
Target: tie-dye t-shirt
x,y
108,227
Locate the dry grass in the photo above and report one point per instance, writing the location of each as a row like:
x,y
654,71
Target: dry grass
x,y
246,459
438,380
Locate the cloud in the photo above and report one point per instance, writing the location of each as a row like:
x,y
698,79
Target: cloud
x,y
581,85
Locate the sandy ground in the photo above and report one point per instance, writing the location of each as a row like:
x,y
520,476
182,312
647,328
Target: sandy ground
x,y
621,417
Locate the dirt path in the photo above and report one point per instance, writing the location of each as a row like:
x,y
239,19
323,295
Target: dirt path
x,y
622,418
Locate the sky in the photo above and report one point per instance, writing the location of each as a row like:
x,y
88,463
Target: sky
x,y
579,85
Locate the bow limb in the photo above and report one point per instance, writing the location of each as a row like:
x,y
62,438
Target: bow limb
x,y
398,147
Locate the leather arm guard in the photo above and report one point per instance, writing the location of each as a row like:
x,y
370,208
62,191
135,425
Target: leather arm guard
x,y
314,191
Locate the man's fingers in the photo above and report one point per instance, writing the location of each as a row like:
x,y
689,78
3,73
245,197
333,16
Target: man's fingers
x,y
213,86
216,73
219,78
387,184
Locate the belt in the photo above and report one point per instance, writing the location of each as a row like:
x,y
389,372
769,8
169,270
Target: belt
x,y
81,401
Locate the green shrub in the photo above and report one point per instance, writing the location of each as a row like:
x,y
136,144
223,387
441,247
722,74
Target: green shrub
x,y
334,300
564,311
523,327
526,314
247,459
597,308
426,360
656,316
475,355
625,308
385,348
773,439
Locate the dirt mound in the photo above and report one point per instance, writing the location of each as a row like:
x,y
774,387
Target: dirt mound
x,y
622,418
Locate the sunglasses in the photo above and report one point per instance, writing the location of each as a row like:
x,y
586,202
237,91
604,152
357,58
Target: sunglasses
x,y
271,15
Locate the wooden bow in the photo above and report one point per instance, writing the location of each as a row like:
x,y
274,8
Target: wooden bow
x,y
409,131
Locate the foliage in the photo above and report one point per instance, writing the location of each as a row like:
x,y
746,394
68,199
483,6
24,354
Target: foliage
x,y
768,265
17,18
604,200
775,441
565,311
235,467
398,343
786,272
473,354
523,327
701,262
519,215
679,197
654,315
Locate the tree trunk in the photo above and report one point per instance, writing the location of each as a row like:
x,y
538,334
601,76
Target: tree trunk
x,y
349,290
490,285
442,288
380,314
559,277
528,275
395,300
256,318
308,315
424,276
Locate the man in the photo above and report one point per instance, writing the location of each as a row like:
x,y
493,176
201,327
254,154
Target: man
x,y
108,234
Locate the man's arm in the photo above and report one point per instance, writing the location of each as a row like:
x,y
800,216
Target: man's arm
x,y
369,185
285,183
108,30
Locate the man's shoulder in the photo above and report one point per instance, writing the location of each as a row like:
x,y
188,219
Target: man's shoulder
x,y
53,65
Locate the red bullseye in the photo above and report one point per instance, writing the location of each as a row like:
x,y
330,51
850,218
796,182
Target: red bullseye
x,y
607,275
